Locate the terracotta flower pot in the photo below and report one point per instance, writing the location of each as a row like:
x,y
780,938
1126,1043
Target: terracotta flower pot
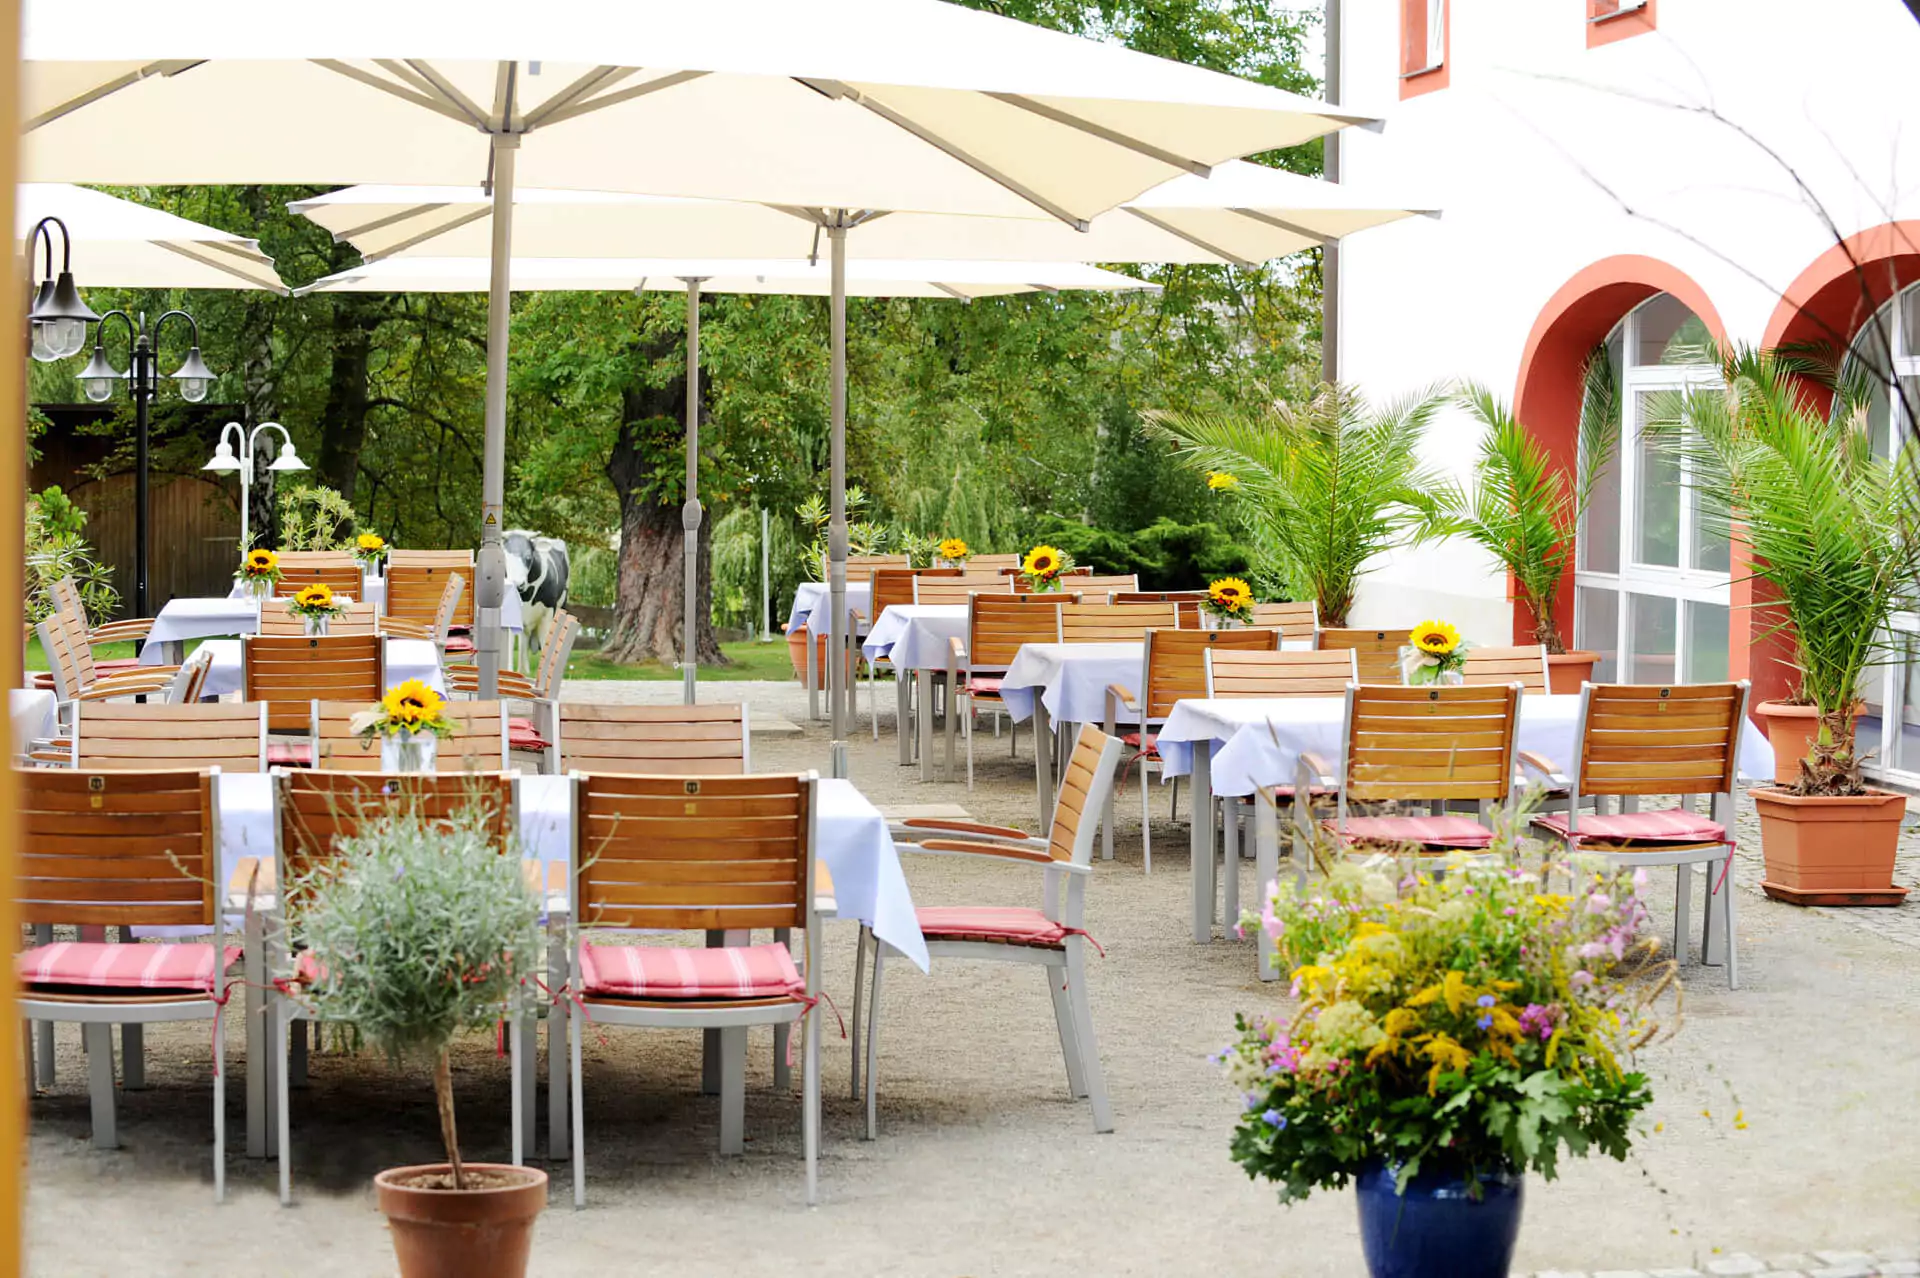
x,y
471,1233
1829,850
797,654
1566,671
1791,730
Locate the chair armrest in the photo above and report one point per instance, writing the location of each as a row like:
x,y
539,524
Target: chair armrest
x,y
957,649
1123,695
150,680
998,851
1322,770
964,827
400,627
117,631
1545,767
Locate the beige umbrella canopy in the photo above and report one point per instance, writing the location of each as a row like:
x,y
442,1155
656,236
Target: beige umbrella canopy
x,y
121,244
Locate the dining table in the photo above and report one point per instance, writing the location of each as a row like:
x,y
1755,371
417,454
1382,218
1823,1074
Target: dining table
x,y
916,638
186,617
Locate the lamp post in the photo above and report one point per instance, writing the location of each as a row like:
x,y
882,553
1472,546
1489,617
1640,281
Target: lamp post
x,y
225,457
58,318
194,379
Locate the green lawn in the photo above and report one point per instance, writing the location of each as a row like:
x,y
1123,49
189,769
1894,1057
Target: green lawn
x,y
37,660
750,661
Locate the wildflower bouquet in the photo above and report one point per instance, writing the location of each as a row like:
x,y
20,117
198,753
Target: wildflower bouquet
x,y
1436,654
1229,599
954,552
259,572
1043,567
316,602
1466,1022
370,549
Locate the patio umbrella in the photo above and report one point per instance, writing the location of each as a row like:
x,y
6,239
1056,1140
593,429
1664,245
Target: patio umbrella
x,y
962,280
841,111
121,244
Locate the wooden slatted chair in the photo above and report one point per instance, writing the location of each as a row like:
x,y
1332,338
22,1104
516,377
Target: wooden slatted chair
x,y
312,809
532,733
1377,651
1187,602
290,674
190,685
278,620
697,854
126,735
699,740
1089,584
993,563
1172,669
440,628
66,596
113,848
1681,740
997,627
928,589
1430,744
478,742
1114,623
69,652
888,587
1526,666
1296,620
335,568
1052,938
416,579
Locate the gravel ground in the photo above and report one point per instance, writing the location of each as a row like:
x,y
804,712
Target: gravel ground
x,y
983,1165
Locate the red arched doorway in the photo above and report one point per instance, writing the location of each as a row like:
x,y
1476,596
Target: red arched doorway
x,y
1829,302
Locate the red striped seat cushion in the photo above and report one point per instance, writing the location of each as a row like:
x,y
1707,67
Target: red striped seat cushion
x,y
1427,831
521,736
96,964
1007,925
680,971
1133,739
1672,826
457,644
289,754
984,685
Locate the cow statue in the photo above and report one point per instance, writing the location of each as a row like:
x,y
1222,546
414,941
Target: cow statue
x,y
537,570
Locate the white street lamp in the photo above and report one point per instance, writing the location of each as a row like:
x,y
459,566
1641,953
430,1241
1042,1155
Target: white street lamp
x,y
227,457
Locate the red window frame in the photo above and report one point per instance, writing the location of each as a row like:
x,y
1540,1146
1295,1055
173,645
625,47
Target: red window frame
x,y
1416,76
1608,22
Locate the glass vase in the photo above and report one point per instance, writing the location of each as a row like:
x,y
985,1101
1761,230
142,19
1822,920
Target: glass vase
x,y
406,751
316,625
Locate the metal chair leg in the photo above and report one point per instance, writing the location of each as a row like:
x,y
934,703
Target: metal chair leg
x,y
1069,1036
873,1043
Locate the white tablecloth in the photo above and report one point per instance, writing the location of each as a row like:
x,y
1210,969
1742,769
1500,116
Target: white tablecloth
x,y
33,711
374,591
914,636
855,846
406,659
1073,678
1258,740
809,604
183,619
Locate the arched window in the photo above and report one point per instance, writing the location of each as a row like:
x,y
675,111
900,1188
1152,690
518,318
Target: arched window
x,y
1886,352
1652,582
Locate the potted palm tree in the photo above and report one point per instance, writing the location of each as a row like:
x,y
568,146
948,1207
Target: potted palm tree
x,y
418,930
1331,483
1830,527
1525,511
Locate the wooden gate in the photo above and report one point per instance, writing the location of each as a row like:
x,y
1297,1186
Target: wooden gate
x,y
193,535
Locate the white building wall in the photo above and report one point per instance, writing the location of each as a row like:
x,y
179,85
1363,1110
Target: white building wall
x,y
1546,157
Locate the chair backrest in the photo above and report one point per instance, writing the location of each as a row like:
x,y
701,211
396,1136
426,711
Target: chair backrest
x,y
957,590
121,735
1174,667
1428,743
867,563
997,625
190,684
336,568
312,808
449,611
700,740
63,638
993,563
1114,623
892,586
1087,582
1187,602
289,674
1377,651
1294,620
1646,739
277,619
1084,784
118,848
555,652
417,584
65,593
478,742
679,852
1526,666
1270,673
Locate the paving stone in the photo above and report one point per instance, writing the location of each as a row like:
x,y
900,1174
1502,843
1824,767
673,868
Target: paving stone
x,y
1837,1258
1792,1261
1900,1253
1560,1273
1899,1268
1738,1263
1843,1271
1673,1273
1620,1273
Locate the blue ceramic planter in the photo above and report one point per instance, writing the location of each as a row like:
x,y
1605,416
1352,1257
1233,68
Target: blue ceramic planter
x,y
1435,1230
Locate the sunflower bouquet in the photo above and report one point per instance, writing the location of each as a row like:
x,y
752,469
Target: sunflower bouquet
x,y
409,720
1466,1023
1229,601
954,552
318,604
259,572
370,549
1043,567
1434,653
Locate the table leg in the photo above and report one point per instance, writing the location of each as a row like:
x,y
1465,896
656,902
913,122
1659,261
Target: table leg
x,y
1201,783
1713,937
813,674
1266,868
923,721
1230,863
1043,762
901,700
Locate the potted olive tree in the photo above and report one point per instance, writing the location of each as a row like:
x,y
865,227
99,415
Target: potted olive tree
x,y
1830,527
1331,483
420,929
1525,511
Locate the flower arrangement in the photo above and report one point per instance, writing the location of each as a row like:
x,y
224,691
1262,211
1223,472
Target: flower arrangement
x,y
1435,653
259,572
410,706
316,602
1229,599
370,549
1221,481
954,552
1043,567
1466,1021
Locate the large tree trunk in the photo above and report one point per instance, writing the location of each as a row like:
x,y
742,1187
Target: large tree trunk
x,y
343,421
647,623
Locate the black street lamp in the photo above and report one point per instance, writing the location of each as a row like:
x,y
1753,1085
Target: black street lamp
x,y
193,378
57,321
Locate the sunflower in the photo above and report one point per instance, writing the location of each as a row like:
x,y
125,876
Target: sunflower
x,y
411,704
1436,637
1230,593
317,596
953,549
1220,481
262,561
370,543
1041,561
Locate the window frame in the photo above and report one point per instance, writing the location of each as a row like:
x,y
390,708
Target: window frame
x,y
1415,81
1627,18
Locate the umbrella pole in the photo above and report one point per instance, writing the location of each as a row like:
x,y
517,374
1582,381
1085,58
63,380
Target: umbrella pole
x,y
490,569
690,511
837,524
